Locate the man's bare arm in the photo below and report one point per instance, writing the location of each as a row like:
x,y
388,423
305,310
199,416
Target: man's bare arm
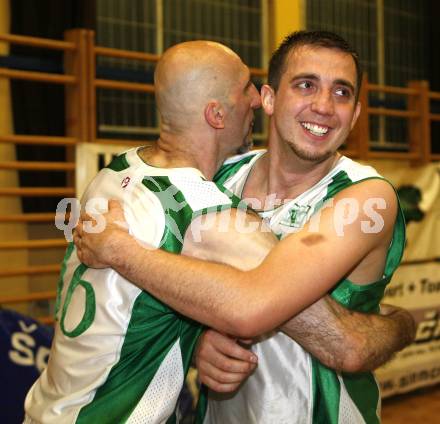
x,y
253,302
351,341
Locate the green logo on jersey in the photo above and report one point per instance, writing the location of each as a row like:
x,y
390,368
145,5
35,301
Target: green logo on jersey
x,y
297,216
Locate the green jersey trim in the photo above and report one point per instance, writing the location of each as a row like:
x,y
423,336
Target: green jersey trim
x,y
231,166
350,294
119,163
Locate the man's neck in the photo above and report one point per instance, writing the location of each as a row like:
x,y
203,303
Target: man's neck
x,y
289,175
281,176
180,152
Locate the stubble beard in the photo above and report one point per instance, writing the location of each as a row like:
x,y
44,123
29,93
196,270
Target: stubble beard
x,y
308,156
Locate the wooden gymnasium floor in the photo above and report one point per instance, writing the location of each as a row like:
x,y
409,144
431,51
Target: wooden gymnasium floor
x,y
421,406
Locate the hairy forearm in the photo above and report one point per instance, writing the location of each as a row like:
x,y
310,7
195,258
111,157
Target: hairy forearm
x,y
347,340
319,330
384,335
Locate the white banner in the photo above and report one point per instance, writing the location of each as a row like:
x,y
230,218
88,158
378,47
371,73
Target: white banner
x,y
416,288
416,284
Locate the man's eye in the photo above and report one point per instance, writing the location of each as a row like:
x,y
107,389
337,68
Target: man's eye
x,y
305,84
343,92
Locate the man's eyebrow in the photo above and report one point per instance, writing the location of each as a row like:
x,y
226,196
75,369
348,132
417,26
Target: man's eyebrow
x,y
305,76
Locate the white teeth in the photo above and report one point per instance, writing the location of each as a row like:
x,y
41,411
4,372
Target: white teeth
x,y
315,129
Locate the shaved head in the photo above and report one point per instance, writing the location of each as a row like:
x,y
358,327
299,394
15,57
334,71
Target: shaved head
x,y
189,75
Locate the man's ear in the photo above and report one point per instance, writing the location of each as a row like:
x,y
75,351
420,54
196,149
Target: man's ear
x,y
356,114
215,115
267,99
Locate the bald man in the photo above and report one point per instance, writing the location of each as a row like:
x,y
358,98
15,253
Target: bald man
x,y
120,355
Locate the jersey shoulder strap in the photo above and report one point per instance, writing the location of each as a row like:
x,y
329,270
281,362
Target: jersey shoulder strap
x,y
233,164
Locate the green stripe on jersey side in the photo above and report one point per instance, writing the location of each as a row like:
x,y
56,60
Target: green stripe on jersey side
x,y
362,388
364,391
119,163
395,253
325,408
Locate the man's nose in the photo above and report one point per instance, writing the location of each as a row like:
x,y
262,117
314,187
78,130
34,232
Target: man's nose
x,y
323,102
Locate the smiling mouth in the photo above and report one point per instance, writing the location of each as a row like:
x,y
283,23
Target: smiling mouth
x,y
316,130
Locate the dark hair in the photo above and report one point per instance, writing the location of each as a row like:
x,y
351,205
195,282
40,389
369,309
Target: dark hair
x,y
326,39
